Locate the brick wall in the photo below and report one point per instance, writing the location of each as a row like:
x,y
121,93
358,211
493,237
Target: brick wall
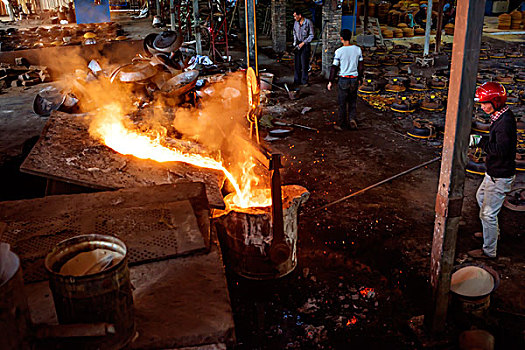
x,y
279,25
332,17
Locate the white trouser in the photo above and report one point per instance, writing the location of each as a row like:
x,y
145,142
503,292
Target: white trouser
x,y
491,194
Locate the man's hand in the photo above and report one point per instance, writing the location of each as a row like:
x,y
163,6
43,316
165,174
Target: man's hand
x,y
301,44
329,86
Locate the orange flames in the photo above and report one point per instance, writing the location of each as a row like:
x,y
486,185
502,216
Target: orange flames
x,y
114,133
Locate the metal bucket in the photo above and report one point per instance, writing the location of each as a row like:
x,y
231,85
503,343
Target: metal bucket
x,y
246,237
104,296
475,304
14,314
266,81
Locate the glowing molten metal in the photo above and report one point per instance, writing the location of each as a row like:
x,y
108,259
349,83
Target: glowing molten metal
x,y
113,133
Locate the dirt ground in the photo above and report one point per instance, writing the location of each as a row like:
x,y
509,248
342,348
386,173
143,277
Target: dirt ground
x,y
380,239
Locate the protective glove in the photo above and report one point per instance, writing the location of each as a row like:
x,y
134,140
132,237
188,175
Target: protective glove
x,y
474,140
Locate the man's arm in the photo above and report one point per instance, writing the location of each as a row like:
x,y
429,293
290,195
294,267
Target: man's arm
x,y
502,147
294,33
333,70
333,73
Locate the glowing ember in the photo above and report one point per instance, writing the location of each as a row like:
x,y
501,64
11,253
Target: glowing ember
x,y
351,321
367,293
113,132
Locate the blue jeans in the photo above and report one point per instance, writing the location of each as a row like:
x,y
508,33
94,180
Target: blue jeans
x,y
491,194
302,64
347,99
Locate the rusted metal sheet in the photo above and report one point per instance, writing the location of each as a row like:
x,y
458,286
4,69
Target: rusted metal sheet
x,y
465,55
65,152
155,223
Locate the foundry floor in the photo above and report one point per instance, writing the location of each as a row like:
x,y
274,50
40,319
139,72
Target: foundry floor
x,y
380,239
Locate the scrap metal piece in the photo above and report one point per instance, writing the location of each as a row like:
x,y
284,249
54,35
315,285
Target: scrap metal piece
x,y
167,41
136,71
48,100
181,83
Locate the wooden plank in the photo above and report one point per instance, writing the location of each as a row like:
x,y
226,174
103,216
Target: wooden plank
x,y
465,55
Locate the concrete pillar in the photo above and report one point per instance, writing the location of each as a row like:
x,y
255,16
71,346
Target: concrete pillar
x,y
332,17
278,19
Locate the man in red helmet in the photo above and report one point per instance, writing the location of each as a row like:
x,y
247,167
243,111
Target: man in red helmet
x,y
500,147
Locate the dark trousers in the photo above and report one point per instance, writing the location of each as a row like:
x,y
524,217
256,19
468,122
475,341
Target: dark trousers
x,y
302,64
347,99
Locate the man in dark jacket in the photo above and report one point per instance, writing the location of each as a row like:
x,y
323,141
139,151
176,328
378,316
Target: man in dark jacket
x,y
303,34
421,15
500,147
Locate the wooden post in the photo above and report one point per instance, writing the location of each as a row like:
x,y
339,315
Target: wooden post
x,y
449,199
198,45
439,25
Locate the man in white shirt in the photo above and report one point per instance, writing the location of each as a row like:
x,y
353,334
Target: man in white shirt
x,y
348,60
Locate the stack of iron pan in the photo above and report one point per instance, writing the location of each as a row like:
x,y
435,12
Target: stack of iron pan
x,y
38,37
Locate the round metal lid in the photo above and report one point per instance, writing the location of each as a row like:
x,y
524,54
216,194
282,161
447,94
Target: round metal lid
x,y
167,41
149,50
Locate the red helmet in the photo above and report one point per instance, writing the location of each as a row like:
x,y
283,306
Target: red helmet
x,y
491,92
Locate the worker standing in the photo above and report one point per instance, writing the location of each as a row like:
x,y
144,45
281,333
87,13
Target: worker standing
x,y
348,60
421,16
500,147
303,34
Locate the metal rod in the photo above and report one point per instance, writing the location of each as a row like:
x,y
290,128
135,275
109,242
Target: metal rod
x,y
449,199
428,28
375,185
233,15
251,36
172,15
439,25
279,250
198,44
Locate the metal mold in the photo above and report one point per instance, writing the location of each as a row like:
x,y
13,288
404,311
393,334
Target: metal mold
x,y
136,72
